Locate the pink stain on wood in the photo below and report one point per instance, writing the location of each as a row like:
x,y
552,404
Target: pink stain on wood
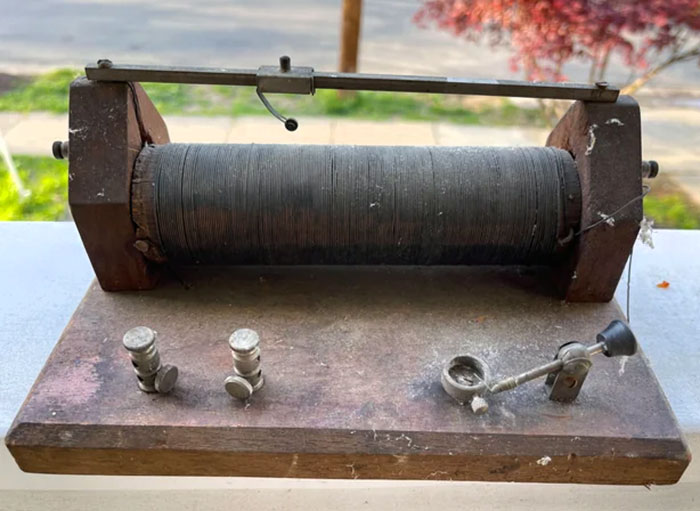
x,y
75,386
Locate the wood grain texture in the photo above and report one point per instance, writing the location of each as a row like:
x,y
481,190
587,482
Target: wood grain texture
x,y
352,359
105,139
606,142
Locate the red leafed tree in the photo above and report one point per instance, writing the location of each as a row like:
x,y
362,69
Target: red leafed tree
x,y
650,35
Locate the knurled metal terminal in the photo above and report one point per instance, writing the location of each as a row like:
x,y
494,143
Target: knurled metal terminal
x,y
248,378
152,376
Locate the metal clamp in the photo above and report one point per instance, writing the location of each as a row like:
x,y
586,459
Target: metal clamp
x,y
285,78
466,378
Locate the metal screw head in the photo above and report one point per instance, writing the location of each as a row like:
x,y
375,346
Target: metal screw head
x,y
238,387
244,340
166,378
602,85
139,339
479,405
104,63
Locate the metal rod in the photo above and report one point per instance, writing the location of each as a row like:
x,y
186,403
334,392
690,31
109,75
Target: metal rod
x,y
553,366
172,74
596,348
601,92
514,381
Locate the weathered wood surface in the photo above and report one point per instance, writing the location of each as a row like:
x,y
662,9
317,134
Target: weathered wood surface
x,y
352,358
605,140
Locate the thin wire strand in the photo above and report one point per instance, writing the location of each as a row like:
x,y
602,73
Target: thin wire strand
x,y
646,189
629,284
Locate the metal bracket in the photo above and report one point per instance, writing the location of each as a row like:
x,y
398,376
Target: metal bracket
x,y
285,78
566,383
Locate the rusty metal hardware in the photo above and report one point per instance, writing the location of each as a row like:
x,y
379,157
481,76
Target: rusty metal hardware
x,y
466,378
304,80
248,378
152,376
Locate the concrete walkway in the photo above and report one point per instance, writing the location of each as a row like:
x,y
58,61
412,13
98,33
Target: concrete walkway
x,y
670,135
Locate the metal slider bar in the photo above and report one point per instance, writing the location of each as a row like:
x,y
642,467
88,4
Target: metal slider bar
x,y
601,92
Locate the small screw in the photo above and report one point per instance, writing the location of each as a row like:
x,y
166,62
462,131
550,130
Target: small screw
x,y
104,63
152,376
285,64
602,85
479,405
245,348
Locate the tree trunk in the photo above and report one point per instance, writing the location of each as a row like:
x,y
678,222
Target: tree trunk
x,y
350,35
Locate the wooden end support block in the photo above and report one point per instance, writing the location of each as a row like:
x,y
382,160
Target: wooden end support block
x,y
108,124
605,140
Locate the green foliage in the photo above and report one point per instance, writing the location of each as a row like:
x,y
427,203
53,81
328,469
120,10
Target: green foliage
x,y
46,178
672,211
49,92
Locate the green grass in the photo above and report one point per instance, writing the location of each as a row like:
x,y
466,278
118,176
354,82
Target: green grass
x,y
48,181
46,178
49,92
672,211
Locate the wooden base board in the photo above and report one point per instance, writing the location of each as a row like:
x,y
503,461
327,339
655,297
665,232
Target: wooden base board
x,y
352,360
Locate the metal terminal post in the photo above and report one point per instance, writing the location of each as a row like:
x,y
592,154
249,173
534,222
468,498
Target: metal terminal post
x,y
248,378
152,376
650,169
60,149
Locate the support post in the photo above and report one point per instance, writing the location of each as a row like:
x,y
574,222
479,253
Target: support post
x,y
350,35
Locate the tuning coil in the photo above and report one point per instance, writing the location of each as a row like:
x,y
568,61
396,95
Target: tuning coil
x,y
316,204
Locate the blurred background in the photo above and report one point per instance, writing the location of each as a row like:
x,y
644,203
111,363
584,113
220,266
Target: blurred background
x,y
649,48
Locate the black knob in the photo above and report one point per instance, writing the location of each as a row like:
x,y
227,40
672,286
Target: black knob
x,y
618,339
285,64
291,124
60,150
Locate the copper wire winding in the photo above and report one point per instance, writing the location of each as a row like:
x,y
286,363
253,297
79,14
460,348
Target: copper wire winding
x,y
315,204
